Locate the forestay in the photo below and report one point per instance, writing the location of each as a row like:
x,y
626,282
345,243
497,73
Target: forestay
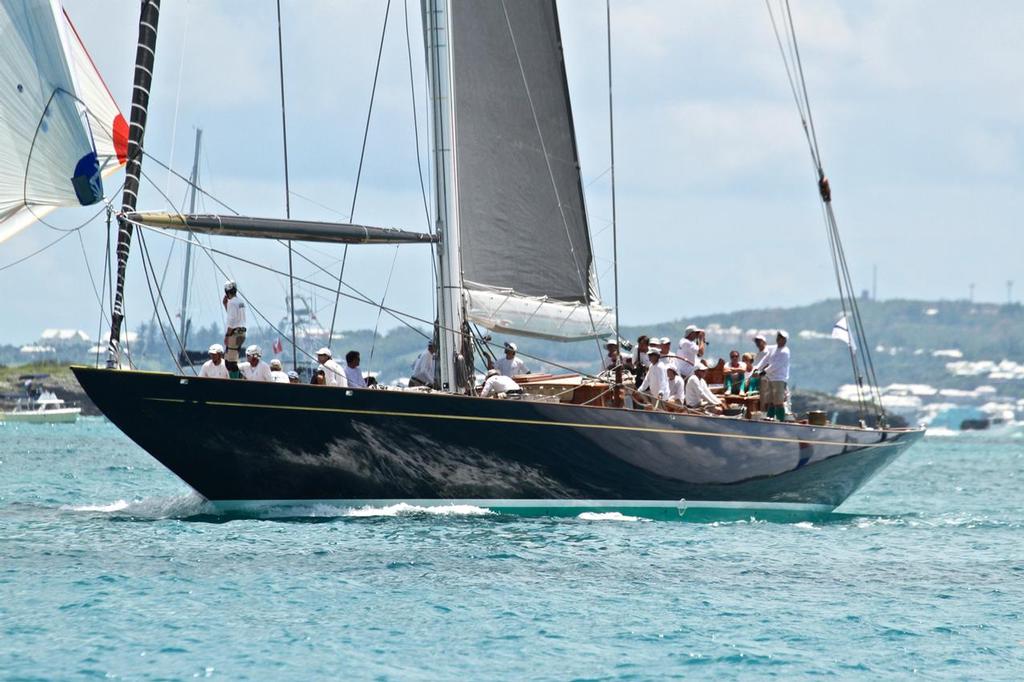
x,y
60,130
525,245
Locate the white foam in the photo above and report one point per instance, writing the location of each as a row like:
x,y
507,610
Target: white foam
x,y
403,509
606,516
941,431
105,508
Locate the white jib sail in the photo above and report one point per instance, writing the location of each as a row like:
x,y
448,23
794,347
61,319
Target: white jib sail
x,y
48,83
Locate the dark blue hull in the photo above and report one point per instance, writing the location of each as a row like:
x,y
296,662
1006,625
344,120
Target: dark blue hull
x,y
234,441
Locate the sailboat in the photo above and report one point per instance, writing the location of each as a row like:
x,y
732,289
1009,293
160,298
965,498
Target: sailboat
x,y
60,129
514,255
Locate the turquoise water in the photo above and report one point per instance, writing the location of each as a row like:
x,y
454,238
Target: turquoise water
x,y
110,568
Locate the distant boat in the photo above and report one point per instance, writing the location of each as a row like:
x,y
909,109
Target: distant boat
x,y
45,409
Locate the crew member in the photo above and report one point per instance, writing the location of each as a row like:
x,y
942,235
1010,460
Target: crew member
x,y
611,359
423,368
215,368
234,336
655,383
353,374
776,377
691,347
698,395
676,388
319,376
759,361
277,372
640,360
735,372
252,369
499,385
510,365
333,372
293,377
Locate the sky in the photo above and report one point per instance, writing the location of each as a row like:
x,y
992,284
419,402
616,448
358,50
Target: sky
x,y
918,107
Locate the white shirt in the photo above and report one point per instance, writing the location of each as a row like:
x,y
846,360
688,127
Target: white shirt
x,y
610,361
279,376
423,368
259,372
656,381
496,384
214,371
510,368
334,374
697,392
760,356
687,356
677,389
777,366
640,359
236,312
354,377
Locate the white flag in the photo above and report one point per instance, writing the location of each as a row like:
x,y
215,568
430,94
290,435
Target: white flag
x,y
841,331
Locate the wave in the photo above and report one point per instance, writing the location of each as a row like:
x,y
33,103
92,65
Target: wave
x,y
150,508
402,508
607,516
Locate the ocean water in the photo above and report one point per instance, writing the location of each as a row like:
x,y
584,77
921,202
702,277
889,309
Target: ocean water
x,y
110,568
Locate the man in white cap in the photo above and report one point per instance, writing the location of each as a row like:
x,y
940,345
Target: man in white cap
x,y
655,383
510,365
611,359
676,388
215,368
234,336
775,370
497,385
698,394
277,372
334,374
423,368
252,369
691,347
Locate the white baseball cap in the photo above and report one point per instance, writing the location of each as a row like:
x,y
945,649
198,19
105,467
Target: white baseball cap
x,y
784,334
230,285
254,350
511,346
325,351
216,348
275,364
690,328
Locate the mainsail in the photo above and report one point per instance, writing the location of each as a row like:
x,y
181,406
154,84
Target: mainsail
x,y
60,130
527,264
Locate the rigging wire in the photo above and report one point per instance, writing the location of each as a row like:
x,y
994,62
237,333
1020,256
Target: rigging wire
x,y
844,281
103,286
611,148
287,188
38,251
359,170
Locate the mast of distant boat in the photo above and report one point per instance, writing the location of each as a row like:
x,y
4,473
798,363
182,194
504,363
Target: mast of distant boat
x,y
193,182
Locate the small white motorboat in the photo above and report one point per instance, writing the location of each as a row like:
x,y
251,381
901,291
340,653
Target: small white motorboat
x,y
46,409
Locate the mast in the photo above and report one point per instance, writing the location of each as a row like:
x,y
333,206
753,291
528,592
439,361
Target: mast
x,y
437,27
194,184
145,56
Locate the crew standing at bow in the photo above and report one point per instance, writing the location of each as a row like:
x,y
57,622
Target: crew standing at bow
x,y
655,384
510,365
234,336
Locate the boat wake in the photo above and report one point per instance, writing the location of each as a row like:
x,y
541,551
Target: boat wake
x,y
151,508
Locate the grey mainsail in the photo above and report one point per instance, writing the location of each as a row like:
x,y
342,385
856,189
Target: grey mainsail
x,y
527,264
